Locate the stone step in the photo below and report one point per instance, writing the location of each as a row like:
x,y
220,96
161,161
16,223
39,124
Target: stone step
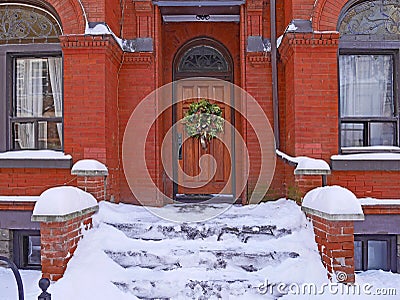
x,y
203,259
184,231
191,289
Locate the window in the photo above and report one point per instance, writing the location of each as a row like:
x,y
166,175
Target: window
x,y
375,252
368,110
368,68
27,249
36,117
31,97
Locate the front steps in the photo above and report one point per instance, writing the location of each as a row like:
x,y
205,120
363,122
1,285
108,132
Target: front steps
x,y
229,256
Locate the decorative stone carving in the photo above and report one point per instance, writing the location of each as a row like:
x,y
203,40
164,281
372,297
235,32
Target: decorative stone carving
x,y
20,23
377,17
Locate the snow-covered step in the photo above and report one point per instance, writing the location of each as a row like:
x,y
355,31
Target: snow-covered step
x,y
227,254
217,231
206,259
192,289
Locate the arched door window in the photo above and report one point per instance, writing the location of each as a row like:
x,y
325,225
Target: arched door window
x,y
203,57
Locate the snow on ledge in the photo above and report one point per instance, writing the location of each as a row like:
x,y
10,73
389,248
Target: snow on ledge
x,y
89,167
374,201
35,154
63,201
367,156
19,198
333,203
306,165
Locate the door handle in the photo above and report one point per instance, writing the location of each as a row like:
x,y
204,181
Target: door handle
x,y
179,146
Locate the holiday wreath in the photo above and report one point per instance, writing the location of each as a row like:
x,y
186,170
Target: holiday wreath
x,y
203,120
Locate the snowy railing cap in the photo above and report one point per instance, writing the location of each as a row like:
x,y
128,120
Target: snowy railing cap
x,y
89,167
63,203
333,203
306,165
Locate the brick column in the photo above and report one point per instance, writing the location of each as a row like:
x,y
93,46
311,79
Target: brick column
x,y
335,241
60,232
92,177
333,211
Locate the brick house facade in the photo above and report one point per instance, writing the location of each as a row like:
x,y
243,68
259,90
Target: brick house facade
x,y
103,81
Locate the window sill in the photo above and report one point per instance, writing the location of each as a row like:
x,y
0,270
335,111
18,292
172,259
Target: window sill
x,y
371,161
370,149
35,159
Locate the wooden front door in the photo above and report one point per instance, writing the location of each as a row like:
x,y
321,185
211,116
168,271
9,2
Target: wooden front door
x,y
203,171
199,170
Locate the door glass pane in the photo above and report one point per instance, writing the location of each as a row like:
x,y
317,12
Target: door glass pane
x,y
382,134
352,135
377,255
358,255
366,86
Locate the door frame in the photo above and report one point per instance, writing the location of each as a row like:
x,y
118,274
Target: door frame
x,y
177,75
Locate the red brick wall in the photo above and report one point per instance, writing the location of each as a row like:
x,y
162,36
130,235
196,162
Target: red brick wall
x,y
379,184
32,182
91,67
136,81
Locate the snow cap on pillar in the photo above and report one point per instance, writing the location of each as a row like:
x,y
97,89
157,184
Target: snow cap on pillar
x,y
89,167
333,203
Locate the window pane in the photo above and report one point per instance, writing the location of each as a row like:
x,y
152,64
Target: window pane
x,y
366,86
352,134
377,255
23,135
38,87
382,134
33,250
49,135
358,255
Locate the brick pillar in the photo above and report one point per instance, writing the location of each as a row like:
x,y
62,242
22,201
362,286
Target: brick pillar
x,y
62,212
95,185
335,241
59,240
92,177
333,210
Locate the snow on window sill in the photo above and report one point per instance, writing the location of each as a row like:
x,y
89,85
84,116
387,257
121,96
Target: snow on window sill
x,y
370,149
382,159
47,159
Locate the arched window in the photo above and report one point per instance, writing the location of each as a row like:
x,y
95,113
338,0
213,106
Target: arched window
x,y
33,96
368,68
203,57
22,24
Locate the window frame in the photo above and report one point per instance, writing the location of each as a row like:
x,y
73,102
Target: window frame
x,y
13,119
391,249
19,249
7,54
370,48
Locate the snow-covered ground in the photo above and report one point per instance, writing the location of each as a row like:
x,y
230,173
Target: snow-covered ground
x,y
251,252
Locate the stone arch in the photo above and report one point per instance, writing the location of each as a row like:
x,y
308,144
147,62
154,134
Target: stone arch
x,y
326,14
